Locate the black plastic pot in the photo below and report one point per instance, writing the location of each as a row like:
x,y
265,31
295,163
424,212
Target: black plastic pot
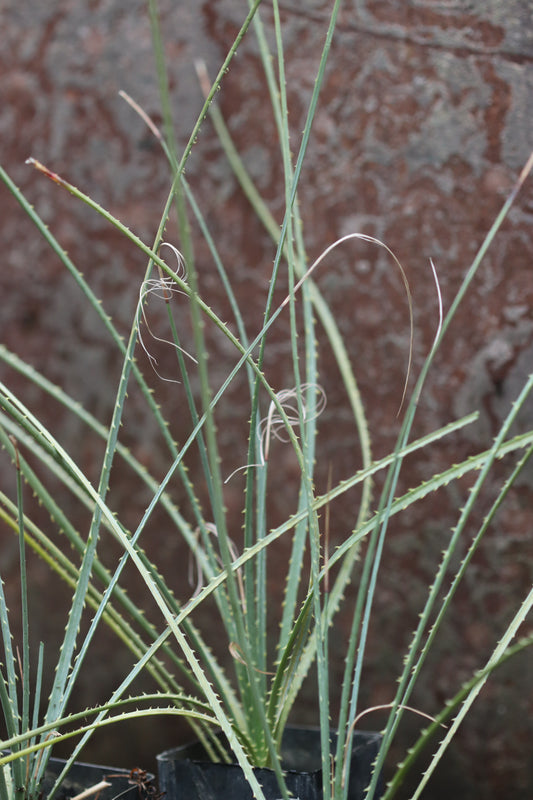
x,y
82,777
185,773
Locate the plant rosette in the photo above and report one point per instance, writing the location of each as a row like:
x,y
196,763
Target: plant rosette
x,y
234,676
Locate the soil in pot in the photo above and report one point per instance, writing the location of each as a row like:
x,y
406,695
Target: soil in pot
x,y
84,779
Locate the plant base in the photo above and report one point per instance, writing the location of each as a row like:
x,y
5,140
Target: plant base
x,y
185,773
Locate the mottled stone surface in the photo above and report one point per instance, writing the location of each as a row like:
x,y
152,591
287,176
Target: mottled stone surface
x,y
423,126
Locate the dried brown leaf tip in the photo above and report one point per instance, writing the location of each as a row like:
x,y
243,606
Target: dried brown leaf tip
x,y
48,172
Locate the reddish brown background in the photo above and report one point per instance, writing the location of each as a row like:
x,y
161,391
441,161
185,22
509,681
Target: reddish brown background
x,y
423,126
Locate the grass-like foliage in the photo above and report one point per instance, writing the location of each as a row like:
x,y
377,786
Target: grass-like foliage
x,y
250,694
